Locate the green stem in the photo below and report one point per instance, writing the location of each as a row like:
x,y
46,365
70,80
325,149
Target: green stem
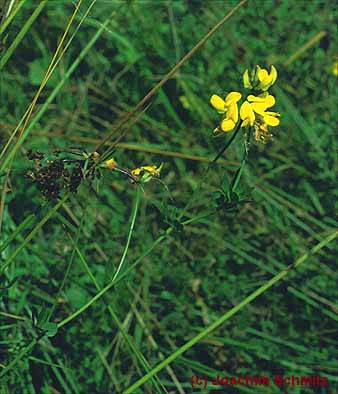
x,y
133,219
115,278
228,143
230,313
243,162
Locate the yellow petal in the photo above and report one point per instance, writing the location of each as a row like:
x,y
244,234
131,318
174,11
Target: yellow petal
x,y
227,125
267,79
270,101
261,103
150,169
247,114
136,171
232,112
263,97
271,120
256,99
262,74
259,108
232,96
218,103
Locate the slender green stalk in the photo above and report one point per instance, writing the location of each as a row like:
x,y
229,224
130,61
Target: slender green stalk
x,y
197,190
226,146
230,313
239,173
131,229
115,278
22,33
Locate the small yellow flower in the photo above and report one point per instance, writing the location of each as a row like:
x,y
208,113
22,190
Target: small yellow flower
x,y
110,164
335,68
152,170
145,173
229,107
266,80
260,79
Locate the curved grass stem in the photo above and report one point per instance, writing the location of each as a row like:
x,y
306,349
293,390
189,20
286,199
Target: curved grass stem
x,y
131,229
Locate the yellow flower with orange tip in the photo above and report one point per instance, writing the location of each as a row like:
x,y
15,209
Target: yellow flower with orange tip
x,y
228,107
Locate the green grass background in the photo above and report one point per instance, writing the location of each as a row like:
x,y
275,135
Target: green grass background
x,y
196,275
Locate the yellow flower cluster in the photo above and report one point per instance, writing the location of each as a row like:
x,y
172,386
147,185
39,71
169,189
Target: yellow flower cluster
x,y
254,110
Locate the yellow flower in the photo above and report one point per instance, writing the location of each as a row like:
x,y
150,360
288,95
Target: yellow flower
x,y
260,79
152,170
253,112
335,68
145,173
229,107
110,164
266,80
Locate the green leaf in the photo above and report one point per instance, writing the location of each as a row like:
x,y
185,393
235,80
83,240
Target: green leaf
x,y
50,329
